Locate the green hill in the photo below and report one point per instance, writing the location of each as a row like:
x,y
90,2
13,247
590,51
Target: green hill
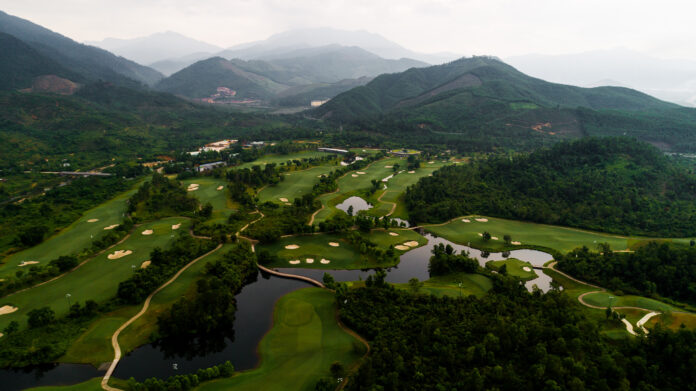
x,y
493,105
606,184
91,62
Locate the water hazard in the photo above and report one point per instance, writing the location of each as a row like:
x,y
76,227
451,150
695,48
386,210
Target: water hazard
x,y
356,203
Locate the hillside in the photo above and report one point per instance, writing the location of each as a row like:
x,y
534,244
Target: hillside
x,y
616,185
91,62
332,68
491,103
21,65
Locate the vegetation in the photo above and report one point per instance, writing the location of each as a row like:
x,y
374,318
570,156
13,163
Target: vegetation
x,y
613,185
183,382
161,197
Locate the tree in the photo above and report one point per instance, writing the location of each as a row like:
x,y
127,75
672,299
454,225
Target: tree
x,y
350,210
415,285
207,210
337,369
485,236
33,235
508,239
41,317
11,328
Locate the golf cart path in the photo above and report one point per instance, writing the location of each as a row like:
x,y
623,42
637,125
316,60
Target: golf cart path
x,y
146,305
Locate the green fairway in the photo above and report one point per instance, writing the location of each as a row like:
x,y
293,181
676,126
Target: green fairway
x,y
343,256
515,268
98,279
295,185
471,284
94,345
303,343
277,159
74,238
208,192
603,299
90,385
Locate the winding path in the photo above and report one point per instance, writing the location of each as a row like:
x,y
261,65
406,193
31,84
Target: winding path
x,y
387,202
114,338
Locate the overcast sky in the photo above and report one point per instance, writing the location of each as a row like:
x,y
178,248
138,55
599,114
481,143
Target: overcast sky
x,y
663,28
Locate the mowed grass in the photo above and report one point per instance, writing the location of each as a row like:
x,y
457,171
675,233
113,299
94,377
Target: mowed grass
x,y
673,320
208,192
471,284
94,345
98,279
515,268
303,343
74,238
89,385
277,159
295,185
603,299
344,256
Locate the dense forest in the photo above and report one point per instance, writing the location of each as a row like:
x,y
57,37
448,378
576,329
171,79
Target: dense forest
x,y
606,184
508,340
654,269
161,197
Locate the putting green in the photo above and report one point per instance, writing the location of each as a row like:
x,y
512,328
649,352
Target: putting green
x,y
515,268
295,185
303,343
74,238
98,279
343,256
603,299
94,345
277,159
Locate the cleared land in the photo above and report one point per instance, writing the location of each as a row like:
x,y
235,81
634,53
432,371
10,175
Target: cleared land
x,y
303,343
74,238
98,279
344,256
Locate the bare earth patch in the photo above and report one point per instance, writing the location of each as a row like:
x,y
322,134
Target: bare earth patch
x,y
176,226
412,243
7,309
393,234
148,232
110,227
482,220
334,244
292,247
119,254
27,263
401,247
92,220
145,264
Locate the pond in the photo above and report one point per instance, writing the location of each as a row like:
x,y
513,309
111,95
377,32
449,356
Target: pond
x,y
357,203
254,317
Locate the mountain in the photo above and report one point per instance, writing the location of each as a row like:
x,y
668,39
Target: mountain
x,y
21,65
671,80
309,68
317,37
492,105
90,62
156,47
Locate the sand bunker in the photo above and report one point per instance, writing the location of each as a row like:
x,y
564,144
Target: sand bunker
x,y
119,254
27,263
393,234
145,264
110,227
466,220
482,220
412,243
494,237
354,175
411,172
295,262
282,199
292,247
360,173
192,187
480,234
92,220
388,166
7,309
176,226
148,232
516,243
287,203
431,162
325,261
220,188
402,247
334,244
527,269
309,260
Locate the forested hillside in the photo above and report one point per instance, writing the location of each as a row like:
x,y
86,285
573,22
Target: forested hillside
x,y
607,184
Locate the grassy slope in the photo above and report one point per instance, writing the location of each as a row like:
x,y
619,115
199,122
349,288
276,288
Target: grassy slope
x,y
207,192
98,279
346,256
277,159
73,238
472,284
295,185
304,341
